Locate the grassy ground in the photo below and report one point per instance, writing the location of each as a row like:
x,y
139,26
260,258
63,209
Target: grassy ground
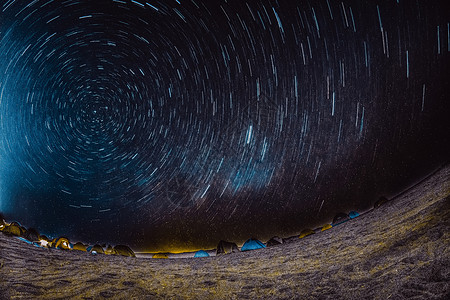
x,y
399,251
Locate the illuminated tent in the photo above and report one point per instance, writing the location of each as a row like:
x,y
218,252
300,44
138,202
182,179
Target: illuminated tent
x,y
381,201
305,233
326,227
14,229
274,241
353,214
340,218
96,249
160,255
226,248
201,253
45,241
79,247
110,250
252,244
124,251
61,243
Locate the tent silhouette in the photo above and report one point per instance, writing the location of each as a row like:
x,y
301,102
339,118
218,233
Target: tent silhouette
x,y
226,248
340,218
124,251
274,241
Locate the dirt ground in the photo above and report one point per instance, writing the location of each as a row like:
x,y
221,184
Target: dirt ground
x,y
399,251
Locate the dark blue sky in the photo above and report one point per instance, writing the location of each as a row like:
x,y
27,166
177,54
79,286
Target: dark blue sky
x,y
174,124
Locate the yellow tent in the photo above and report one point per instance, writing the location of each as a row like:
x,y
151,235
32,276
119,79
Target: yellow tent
x,y
110,250
97,249
13,229
305,232
79,246
62,243
326,227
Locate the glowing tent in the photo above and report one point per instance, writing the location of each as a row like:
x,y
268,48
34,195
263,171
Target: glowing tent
x,y
79,246
96,249
381,201
62,243
305,233
326,227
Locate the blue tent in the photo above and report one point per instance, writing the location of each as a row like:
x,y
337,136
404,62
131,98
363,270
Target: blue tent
x,y
252,244
201,253
353,214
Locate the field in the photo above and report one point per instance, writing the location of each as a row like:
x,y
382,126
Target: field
x,y
398,251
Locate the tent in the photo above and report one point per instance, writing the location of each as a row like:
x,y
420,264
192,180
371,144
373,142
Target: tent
x,y
62,243
13,229
79,246
353,214
201,253
326,227
252,244
381,201
160,255
340,218
2,222
44,241
274,241
124,251
305,233
32,235
96,249
110,250
226,248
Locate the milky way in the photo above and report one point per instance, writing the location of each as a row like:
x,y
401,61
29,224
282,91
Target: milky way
x,y
179,123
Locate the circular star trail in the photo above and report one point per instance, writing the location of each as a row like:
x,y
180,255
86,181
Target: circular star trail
x,y
174,124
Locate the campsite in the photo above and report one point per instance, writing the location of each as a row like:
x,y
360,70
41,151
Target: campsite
x,y
399,250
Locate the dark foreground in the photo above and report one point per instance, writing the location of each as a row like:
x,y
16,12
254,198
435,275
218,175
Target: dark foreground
x,y
399,251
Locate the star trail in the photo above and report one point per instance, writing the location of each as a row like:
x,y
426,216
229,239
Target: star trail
x,y
174,124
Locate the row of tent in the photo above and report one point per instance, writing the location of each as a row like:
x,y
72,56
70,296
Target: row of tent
x,y
31,236
252,244
225,247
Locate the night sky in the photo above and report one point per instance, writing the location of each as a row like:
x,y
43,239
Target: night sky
x,y
170,125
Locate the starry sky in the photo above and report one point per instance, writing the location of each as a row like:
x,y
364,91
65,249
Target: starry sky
x,y
170,125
